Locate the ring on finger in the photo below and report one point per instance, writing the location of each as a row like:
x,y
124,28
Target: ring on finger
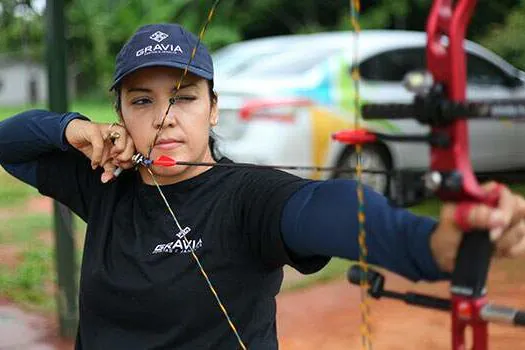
x,y
114,135
112,125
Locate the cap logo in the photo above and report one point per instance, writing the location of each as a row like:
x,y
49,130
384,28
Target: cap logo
x,y
158,36
160,49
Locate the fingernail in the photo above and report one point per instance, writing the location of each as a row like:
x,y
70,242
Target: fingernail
x,y
117,172
105,178
495,233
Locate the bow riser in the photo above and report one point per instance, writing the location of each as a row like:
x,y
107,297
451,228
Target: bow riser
x,y
446,61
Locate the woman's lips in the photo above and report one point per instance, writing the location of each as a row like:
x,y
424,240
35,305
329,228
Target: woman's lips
x,y
168,145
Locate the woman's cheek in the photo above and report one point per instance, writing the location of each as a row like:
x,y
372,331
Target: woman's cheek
x,y
140,139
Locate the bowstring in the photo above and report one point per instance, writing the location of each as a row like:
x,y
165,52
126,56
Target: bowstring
x,y
172,101
195,257
365,328
199,264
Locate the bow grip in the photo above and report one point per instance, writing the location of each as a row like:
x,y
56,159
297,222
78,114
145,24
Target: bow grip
x,y
475,251
469,278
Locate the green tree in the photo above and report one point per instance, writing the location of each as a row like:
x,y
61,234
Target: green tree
x,y
506,38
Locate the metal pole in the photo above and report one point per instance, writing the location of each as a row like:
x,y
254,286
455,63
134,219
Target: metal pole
x,y
65,257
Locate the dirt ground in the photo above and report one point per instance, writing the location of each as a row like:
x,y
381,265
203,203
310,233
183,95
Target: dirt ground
x,y
329,317
321,317
324,317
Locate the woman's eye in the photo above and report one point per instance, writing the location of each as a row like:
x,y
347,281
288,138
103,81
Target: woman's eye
x,y
141,101
185,98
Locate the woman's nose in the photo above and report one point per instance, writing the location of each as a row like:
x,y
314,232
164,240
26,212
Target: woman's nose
x,y
168,116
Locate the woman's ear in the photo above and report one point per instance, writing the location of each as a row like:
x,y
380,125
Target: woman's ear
x,y
214,113
120,117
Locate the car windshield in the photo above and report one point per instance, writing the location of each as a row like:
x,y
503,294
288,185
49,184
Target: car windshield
x,y
235,58
291,63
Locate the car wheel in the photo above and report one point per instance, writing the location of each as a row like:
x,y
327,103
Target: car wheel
x,y
375,157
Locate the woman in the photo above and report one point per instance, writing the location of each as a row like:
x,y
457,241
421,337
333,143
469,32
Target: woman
x,y
141,287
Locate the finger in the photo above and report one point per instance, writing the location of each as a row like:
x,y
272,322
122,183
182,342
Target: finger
x,y
512,237
117,135
509,213
481,216
507,203
97,144
106,155
119,144
128,152
109,172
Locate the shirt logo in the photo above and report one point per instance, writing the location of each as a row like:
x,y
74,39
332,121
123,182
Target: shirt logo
x,y
158,36
182,245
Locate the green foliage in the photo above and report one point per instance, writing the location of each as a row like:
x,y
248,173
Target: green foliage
x,y
12,191
96,29
506,38
21,30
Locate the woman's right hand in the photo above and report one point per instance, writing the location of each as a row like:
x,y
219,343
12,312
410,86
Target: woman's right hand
x,y
94,141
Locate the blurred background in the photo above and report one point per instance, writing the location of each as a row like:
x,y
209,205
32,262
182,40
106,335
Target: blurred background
x,y
284,85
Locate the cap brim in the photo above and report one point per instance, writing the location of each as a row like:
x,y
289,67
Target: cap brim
x,y
197,71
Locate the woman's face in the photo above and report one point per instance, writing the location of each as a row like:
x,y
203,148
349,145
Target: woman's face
x,y
145,96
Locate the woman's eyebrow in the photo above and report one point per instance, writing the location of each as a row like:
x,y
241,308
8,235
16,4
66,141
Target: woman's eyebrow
x,y
138,89
187,85
144,89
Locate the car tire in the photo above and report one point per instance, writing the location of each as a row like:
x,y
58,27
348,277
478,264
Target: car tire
x,y
376,156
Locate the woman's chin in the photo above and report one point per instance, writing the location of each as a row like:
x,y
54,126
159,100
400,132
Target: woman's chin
x,y
170,171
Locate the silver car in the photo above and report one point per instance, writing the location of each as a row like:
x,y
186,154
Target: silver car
x,y
282,108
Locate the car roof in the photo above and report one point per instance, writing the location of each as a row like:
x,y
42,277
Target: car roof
x,y
370,42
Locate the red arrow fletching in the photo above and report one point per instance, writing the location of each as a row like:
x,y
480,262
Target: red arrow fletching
x,y
358,136
165,161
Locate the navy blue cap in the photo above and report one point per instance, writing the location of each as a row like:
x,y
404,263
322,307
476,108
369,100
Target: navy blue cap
x,y
167,45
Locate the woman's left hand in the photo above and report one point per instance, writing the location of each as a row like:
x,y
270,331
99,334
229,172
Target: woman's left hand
x,y
506,224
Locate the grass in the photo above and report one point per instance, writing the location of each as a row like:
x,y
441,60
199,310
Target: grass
x,y
13,191
21,229
100,111
26,283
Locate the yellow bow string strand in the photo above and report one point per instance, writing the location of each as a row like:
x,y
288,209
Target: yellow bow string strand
x,y
365,328
171,211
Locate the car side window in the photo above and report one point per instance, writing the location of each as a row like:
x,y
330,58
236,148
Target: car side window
x,y
483,72
392,66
